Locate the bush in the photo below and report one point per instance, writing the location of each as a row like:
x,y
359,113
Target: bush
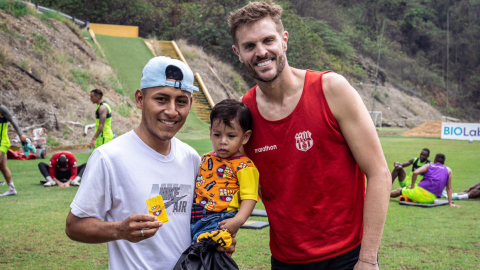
x,y
15,8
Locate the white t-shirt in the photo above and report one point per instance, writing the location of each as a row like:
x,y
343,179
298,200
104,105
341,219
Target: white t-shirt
x,y
120,176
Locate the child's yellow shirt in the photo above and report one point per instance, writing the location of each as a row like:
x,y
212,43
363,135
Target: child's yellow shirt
x,y
223,182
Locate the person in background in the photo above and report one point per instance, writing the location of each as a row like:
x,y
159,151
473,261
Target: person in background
x,y
62,170
436,177
103,120
404,179
5,118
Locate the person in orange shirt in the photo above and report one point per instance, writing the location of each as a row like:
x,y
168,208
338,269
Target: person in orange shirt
x,y
226,188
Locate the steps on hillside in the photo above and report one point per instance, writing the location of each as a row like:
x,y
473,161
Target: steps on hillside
x,y
201,104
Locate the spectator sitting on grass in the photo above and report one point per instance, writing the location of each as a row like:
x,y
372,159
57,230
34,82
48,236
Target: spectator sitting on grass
x,y
436,177
404,179
62,170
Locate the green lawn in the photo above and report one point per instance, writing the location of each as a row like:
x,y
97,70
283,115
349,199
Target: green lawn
x,y
33,222
127,56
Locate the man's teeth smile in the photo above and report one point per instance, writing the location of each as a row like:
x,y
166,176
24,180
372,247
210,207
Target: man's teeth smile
x,y
264,63
167,122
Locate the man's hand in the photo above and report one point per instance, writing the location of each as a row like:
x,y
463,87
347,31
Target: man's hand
x,y
454,205
66,184
232,225
365,266
132,227
92,143
23,138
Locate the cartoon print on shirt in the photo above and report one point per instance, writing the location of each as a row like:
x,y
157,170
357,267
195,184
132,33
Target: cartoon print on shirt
x,y
225,172
209,204
200,181
242,165
226,195
210,186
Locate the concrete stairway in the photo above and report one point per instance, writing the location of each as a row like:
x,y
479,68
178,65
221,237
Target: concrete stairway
x,y
202,101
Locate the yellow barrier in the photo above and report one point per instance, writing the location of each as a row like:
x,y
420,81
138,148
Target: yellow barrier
x,y
114,30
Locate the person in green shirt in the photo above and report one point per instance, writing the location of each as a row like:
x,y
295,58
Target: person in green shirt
x,y
405,180
5,117
103,121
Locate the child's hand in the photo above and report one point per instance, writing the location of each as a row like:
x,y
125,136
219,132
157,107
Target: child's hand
x,y
232,225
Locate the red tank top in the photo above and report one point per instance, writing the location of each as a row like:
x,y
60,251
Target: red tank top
x,y
312,187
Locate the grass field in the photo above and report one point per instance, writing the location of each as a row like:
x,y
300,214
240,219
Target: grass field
x,y
33,222
127,56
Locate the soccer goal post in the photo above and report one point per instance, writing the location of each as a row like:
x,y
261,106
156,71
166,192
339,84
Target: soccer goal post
x,y
376,118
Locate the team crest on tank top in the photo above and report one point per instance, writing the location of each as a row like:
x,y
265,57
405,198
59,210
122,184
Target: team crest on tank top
x,y
304,140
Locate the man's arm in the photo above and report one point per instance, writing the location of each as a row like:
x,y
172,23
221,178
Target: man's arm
x,y
449,189
7,115
418,171
360,134
101,123
94,231
407,163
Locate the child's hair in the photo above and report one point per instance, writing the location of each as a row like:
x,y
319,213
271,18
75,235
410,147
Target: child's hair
x,y
229,110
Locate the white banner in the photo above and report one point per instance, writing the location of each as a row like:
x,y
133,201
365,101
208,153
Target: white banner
x,y
460,131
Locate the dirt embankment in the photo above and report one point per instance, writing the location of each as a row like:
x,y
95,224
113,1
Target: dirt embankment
x,y
399,108
56,53
428,129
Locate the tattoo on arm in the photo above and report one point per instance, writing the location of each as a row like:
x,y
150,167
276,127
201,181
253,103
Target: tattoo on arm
x,y
101,123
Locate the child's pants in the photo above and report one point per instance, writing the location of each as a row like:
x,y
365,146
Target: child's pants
x,y
206,221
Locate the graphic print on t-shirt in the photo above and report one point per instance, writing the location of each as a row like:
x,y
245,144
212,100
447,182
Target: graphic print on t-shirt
x,y
175,197
304,140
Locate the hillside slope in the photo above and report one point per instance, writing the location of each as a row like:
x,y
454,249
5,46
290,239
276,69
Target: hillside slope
x,y
55,52
398,108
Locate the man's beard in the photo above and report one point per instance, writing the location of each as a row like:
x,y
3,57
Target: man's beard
x,y
280,66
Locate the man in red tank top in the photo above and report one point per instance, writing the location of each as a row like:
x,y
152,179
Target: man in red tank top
x,y
313,143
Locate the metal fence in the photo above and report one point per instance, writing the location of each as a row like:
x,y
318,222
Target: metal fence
x,y
71,18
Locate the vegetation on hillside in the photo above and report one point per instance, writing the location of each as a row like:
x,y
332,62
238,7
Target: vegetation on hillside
x,y
63,69
334,35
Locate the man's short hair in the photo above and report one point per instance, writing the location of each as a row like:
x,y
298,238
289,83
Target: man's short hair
x,y
426,150
254,12
229,110
440,158
97,92
62,161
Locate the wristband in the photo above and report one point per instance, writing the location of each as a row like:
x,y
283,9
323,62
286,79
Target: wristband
x,y
374,263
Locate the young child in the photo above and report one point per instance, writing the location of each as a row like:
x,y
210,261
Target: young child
x,y
226,188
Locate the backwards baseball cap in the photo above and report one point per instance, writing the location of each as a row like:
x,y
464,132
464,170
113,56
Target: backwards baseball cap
x,y
161,68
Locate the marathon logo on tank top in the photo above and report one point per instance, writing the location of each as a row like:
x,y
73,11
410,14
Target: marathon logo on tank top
x,y
266,148
304,140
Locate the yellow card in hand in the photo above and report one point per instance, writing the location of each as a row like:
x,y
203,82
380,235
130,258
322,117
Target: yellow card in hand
x,y
157,208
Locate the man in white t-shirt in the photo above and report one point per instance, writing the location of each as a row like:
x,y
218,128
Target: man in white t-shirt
x,y
143,163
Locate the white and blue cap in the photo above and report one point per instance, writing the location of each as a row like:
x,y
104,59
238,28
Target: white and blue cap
x,y
157,70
